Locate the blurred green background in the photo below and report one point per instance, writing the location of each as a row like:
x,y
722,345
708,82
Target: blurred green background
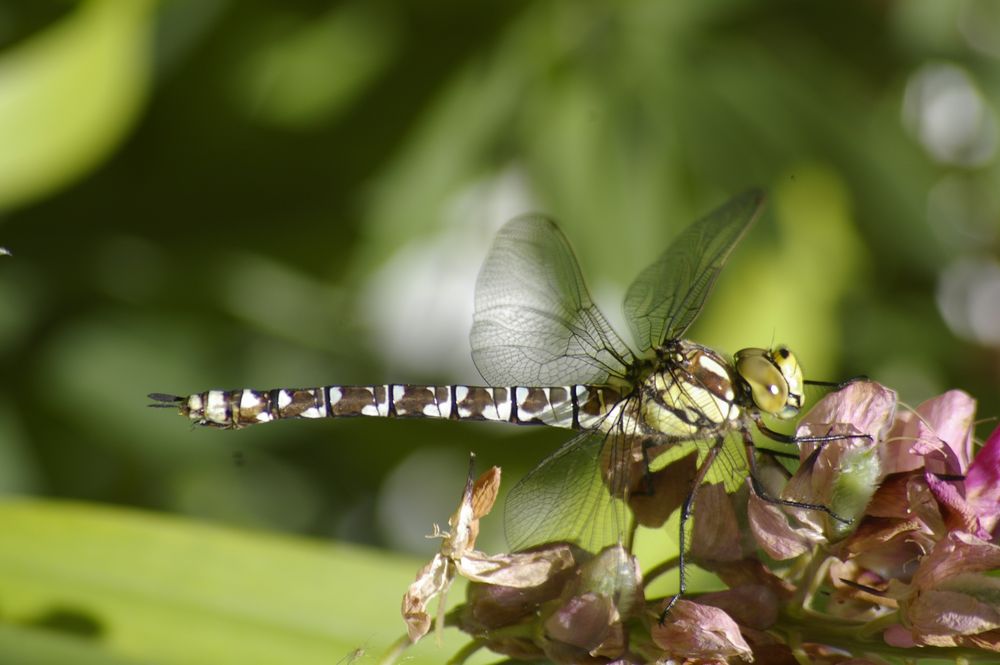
x,y
209,194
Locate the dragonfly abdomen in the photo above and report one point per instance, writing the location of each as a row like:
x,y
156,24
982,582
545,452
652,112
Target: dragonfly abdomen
x,y
572,407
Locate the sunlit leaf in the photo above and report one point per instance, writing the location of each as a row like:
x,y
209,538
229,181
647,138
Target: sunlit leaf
x,y
148,588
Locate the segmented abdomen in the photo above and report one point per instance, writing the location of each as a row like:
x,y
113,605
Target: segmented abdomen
x,y
576,407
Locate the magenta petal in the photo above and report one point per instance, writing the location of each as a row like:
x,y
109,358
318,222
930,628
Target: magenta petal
x,y
958,514
982,482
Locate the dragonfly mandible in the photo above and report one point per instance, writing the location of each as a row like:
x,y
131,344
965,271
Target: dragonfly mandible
x,y
549,357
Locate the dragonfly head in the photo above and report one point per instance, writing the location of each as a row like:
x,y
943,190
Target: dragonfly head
x,y
774,379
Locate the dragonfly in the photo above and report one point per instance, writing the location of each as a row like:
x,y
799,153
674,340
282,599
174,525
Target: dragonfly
x,y
548,356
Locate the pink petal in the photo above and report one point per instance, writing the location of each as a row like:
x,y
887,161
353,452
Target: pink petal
x,y
924,505
692,630
865,405
773,532
951,613
957,554
897,452
842,475
582,621
944,424
897,636
490,606
716,534
885,547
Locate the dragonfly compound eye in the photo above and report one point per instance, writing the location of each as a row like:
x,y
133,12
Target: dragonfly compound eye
x,y
788,364
767,382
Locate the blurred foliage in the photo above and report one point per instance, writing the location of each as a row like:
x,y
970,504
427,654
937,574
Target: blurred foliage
x,y
201,193
179,592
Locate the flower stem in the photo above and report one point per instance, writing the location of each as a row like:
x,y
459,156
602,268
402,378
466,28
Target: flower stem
x,y
859,638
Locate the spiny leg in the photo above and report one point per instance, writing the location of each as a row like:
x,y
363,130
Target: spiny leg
x,y
836,385
758,487
686,510
792,439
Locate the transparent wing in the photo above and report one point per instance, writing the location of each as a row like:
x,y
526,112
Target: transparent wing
x,y
667,296
565,498
730,467
590,490
535,323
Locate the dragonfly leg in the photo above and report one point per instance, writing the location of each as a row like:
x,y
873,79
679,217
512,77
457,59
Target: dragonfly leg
x,y
795,440
645,487
758,487
687,509
836,385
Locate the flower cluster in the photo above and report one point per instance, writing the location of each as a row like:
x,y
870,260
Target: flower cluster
x,y
897,566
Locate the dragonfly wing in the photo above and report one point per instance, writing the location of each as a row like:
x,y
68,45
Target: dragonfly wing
x,y
718,418
567,497
535,323
669,293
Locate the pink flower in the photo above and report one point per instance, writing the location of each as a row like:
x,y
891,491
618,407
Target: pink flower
x,y
695,631
906,550
949,601
841,474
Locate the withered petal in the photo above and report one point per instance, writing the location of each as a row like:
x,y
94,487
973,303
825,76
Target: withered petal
x,y
433,579
484,492
518,570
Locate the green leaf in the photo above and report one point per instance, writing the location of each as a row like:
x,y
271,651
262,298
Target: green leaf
x,y
85,583
69,94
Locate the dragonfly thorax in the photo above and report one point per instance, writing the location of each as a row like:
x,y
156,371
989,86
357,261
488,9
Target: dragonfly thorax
x,y
772,378
693,391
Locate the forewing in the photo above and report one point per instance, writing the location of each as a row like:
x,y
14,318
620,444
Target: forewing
x,y
565,498
669,293
535,324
